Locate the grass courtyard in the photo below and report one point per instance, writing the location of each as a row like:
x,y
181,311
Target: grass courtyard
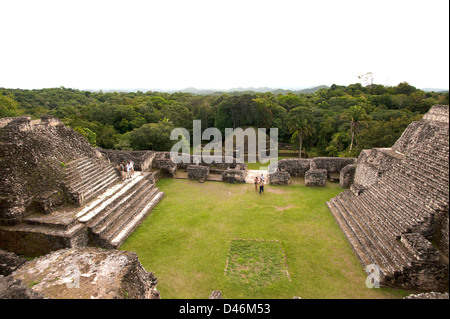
x,y
217,236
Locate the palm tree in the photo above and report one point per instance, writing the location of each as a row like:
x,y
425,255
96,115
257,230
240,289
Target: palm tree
x,y
357,116
301,125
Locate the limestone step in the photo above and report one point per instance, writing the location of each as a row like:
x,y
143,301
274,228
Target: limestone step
x,y
355,243
375,228
60,219
108,217
375,249
95,188
91,209
135,222
125,216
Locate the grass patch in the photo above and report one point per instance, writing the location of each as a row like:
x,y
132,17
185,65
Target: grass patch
x,y
190,234
255,263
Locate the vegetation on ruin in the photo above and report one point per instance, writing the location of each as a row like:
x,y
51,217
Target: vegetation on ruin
x,y
318,119
217,236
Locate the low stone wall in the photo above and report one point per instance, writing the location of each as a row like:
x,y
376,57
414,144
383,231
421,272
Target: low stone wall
x,y
221,163
331,164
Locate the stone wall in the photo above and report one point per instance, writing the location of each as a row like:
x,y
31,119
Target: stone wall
x,y
234,176
331,164
294,166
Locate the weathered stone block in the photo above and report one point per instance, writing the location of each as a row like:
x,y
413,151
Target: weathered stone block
x,y
346,175
198,172
279,178
316,177
167,167
234,176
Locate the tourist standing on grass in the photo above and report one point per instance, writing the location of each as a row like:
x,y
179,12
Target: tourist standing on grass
x,y
261,185
256,182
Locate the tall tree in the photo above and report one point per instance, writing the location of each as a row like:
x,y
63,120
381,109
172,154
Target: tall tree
x,y
300,122
357,116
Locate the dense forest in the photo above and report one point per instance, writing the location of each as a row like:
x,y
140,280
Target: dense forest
x,y
334,121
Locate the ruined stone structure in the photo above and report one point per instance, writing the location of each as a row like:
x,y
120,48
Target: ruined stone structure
x,y
318,169
279,178
198,172
395,215
142,160
84,273
59,192
316,177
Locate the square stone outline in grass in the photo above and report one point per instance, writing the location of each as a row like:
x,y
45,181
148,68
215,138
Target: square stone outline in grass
x,y
256,262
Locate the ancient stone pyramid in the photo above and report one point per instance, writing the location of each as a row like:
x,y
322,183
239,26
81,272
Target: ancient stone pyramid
x,y
59,192
395,215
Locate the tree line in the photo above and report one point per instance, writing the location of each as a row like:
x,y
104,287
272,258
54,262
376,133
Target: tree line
x,y
334,121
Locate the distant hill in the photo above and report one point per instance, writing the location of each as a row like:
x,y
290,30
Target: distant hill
x,y
193,90
434,90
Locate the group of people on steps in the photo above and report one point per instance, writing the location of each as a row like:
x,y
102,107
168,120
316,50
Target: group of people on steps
x,y
126,170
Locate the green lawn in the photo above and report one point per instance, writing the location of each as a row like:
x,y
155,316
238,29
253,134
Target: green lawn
x,y
217,236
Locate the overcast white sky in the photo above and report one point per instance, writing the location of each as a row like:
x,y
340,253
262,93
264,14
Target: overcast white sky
x,y
173,44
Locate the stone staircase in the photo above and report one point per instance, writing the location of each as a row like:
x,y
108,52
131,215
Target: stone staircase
x,y
85,178
106,211
111,218
406,199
